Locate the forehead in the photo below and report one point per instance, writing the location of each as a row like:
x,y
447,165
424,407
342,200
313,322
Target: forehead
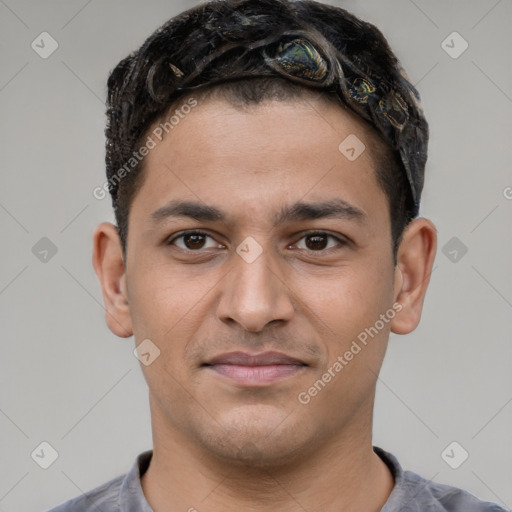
x,y
262,155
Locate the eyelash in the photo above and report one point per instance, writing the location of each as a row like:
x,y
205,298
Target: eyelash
x,y
341,241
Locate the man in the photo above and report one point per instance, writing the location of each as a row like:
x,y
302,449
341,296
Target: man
x,y
265,160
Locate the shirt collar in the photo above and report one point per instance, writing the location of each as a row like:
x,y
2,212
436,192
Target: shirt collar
x,y
132,499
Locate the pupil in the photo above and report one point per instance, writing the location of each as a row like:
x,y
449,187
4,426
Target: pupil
x,y
194,241
317,244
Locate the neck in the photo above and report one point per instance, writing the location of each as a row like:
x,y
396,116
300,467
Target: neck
x,y
340,475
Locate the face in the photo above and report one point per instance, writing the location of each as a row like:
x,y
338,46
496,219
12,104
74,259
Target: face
x,y
258,260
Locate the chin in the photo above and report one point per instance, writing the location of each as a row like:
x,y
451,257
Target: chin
x,y
258,438
258,453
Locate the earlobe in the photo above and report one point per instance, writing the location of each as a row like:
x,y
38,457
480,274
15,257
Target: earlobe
x,y
109,267
412,273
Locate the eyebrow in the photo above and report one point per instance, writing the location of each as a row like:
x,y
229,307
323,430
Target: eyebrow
x,y
300,211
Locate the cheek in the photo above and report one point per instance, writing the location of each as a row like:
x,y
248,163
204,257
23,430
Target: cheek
x,y
346,312
349,299
168,308
165,303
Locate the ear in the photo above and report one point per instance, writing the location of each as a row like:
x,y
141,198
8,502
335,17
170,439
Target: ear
x,y
415,259
108,263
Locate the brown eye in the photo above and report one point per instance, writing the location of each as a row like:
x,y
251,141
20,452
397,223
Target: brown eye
x,y
320,241
316,242
193,241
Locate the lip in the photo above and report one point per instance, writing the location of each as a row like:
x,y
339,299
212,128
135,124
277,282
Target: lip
x,y
255,370
261,359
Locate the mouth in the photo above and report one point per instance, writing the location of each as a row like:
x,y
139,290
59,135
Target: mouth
x,y
255,370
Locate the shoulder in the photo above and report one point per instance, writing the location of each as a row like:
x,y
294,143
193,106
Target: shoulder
x,y
104,497
413,493
446,497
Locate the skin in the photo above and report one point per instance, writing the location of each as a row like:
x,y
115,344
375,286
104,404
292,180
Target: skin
x,y
219,446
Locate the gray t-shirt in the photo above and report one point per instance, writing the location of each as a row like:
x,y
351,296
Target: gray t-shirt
x,y
411,493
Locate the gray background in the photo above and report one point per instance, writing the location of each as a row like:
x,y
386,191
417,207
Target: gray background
x,y
65,379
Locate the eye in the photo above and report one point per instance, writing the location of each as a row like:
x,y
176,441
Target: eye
x,y
319,241
316,241
193,241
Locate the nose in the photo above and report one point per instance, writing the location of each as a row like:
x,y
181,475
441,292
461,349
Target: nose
x,y
255,294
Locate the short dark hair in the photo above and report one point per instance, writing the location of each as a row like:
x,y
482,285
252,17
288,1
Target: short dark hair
x,y
229,48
